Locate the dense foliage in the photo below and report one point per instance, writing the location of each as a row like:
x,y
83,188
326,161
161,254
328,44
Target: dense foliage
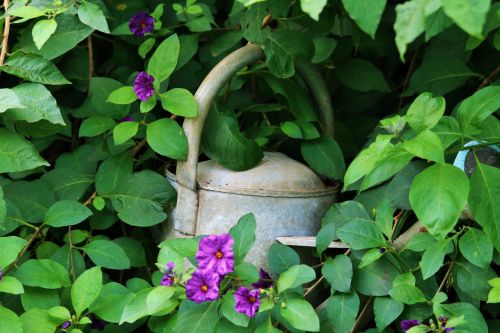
x,y
92,97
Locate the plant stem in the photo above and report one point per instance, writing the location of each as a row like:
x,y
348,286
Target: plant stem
x,y
6,31
310,289
90,46
25,248
489,79
443,282
362,316
71,261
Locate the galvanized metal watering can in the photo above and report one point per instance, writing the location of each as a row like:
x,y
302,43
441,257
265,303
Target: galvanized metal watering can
x,y
286,197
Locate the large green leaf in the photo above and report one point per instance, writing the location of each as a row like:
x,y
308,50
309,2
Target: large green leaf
x,y
107,254
426,145
100,89
282,47
223,142
475,109
409,24
69,184
17,154
9,321
405,291
438,195
167,138
281,258
86,289
375,279
164,59
483,200
313,7
38,103
433,257
324,156
243,234
299,314
66,212
342,311
359,74
68,34
33,67
134,250
338,272
125,131
111,302
180,102
295,276
11,247
42,30
44,273
476,247
425,112
367,15
228,310
92,15
470,15
474,320
96,125
361,234
38,320
386,311
199,318
9,100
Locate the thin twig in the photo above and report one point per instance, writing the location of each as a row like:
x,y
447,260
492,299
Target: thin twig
x,y
361,316
71,261
310,289
407,78
90,199
25,248
396,221
6,31
448,272
489,79
91,59
138,147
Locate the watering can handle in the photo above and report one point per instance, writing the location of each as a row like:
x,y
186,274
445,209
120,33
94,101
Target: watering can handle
x,y
187,195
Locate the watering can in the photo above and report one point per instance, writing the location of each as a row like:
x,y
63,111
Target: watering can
x,y
286,197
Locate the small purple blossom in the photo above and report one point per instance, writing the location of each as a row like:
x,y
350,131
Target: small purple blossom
x,y
382,250
169,276
265,280
216,253
143,86
126,118
66,324
407,324
247,301
449,329
97,324
1,274
203,286
141,23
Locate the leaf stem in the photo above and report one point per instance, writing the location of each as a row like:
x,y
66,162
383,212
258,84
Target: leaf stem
x,y
489,79
25,248
448,272
6,31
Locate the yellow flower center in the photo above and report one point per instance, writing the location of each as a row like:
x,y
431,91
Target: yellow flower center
x,y
218,255
204,288
251,299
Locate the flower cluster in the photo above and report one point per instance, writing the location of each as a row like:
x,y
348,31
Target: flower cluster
x,y
143,86
442,320
141,23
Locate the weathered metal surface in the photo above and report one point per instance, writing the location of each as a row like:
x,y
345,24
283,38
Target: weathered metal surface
x,y
286,197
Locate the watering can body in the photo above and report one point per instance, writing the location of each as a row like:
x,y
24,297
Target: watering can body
x,y
286,197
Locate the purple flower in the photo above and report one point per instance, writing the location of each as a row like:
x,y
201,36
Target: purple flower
x,y
407,324
126,118
168,276
203,286
143,86
1,275
265,280
382,250
449,329
247,301
141,23
65,325
216,253
97,324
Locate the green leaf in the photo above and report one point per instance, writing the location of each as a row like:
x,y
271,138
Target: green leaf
x,y
409,24
324,237
384,218
96,125
228,310
448,130
470,15
11,285
361,75
281,258
375,279
134,250
180,102
59,312
44,273
122,95
370,257
198,318
367,159
11,247
107,254
476,247
223,142
86,289
324,156
69,184
112,172
323,48
300,314
438,195
282,47
164,59
292,130
475,109
92,15
386,311
100,89
42,30
361,234
471,282
111,302
247,272
38,103
38,320
426,145
391,161
474,320
68,34
9,321
407,293
342,311
338,272
17,154
433,257
267,327
224,42
367,15
295,276
420,242
66,212
26,12
125,131
167,138
313,7
9,100
425,112
145,47
483,201
243,234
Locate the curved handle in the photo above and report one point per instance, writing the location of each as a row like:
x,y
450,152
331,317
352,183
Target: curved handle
x,y
187,196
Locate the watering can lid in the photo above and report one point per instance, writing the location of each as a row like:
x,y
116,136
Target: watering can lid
x,y
276,173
